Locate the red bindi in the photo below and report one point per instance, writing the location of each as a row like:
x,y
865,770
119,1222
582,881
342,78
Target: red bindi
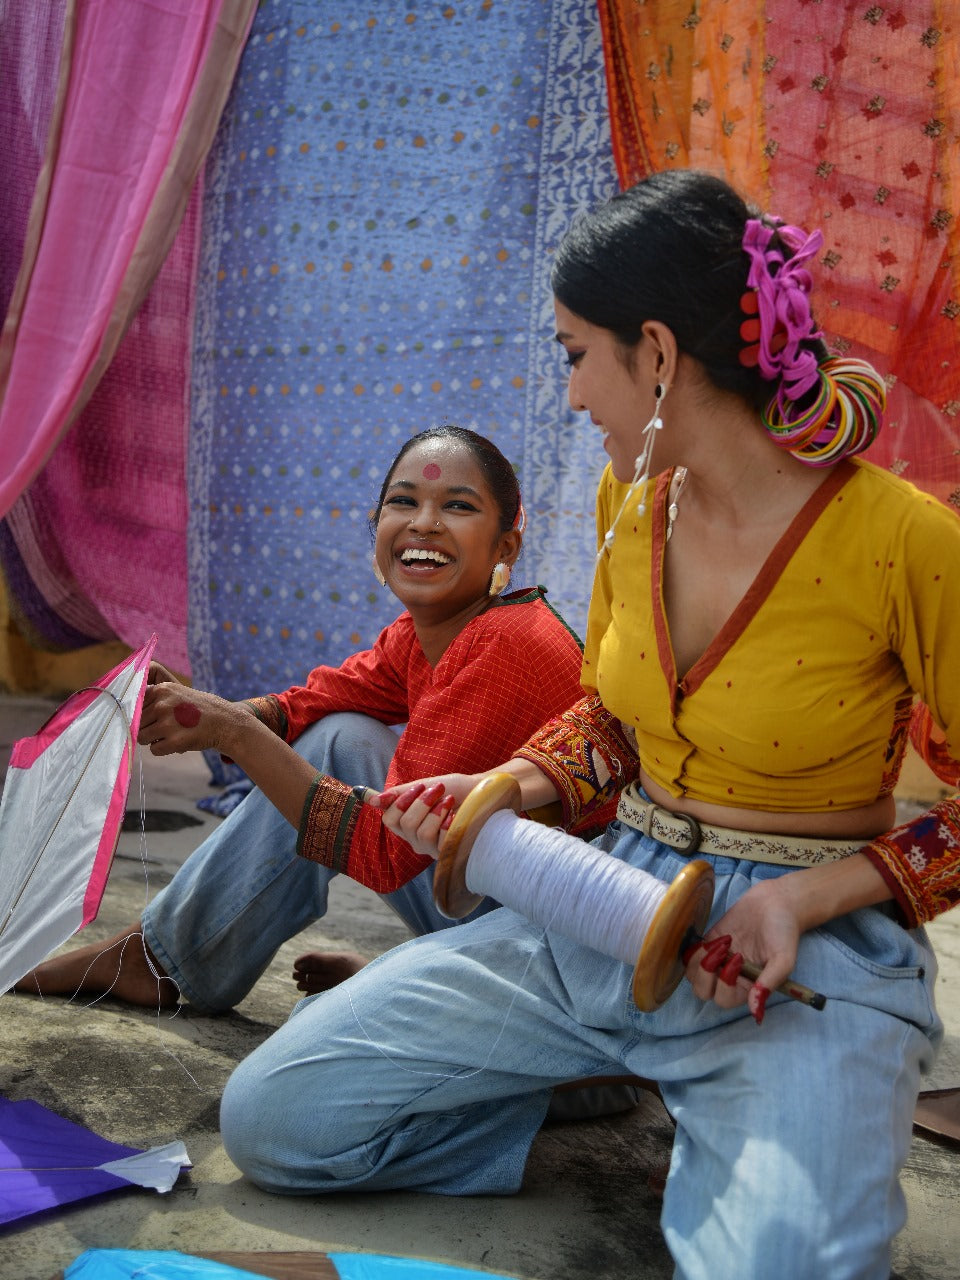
x,y
187,715
431,471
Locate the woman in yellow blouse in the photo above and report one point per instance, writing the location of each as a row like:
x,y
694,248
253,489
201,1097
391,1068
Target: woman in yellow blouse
x,y
766,608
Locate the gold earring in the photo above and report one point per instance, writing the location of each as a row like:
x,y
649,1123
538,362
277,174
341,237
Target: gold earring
x,y
378,573
500,579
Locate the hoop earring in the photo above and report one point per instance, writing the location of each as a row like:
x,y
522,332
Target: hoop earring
x,y
378,573
500,579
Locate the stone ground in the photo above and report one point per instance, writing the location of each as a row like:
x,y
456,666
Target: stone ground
x,y
585,1212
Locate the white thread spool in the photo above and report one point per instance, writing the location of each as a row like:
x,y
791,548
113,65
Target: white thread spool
x,y
562,883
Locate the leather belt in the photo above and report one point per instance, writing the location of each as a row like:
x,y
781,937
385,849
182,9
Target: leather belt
x,y
684,833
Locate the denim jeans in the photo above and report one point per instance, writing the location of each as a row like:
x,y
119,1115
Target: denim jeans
x,y
244,891
432,1070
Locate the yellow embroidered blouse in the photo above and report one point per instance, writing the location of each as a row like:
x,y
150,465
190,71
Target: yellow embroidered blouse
x,y
802,701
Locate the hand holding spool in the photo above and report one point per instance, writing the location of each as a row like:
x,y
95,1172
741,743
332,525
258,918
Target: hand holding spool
x,y
602,902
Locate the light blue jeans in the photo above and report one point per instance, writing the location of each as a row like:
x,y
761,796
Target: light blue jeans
x,y
432,1070
217,925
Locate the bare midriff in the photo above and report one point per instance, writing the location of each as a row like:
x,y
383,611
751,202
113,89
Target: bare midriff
x,y
862,823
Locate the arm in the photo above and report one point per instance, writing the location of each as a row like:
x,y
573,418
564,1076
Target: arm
x,y
176,719
372,682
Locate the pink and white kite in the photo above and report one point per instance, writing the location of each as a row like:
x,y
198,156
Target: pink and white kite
x,y
63,804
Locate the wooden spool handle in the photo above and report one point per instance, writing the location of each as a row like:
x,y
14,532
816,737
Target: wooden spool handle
x,y
685,907
494,792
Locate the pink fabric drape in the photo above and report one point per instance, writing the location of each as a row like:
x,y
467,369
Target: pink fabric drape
x,y
102,535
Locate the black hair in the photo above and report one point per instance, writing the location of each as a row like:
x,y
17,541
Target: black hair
x,y
669,249
499,475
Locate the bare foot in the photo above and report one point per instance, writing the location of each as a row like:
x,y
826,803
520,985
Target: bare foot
x,y
120,967
320,970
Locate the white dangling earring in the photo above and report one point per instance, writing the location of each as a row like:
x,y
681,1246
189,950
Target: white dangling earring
x,y
642,470
500,578
378,573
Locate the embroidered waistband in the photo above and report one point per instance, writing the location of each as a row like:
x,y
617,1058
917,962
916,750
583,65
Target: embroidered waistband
x,y
684,833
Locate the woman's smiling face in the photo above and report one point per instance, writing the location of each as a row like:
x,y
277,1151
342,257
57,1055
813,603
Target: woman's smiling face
x,y
438,534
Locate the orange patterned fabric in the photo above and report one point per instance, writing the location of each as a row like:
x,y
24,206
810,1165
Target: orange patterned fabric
x,y
506,673
842,116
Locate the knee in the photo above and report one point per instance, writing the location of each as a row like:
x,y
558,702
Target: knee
x,y
252,1127
336,743
274,1131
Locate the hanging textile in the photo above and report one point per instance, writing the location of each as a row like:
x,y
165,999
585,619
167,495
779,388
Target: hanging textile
x,y
96,547
842,116
382,200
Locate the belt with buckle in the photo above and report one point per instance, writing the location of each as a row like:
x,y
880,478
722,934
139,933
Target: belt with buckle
x,y
686,834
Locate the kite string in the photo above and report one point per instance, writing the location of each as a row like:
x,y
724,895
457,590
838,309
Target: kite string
x,y
144,857
148,959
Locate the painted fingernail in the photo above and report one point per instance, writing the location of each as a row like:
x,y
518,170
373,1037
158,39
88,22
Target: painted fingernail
x,y
448,804
716,955
730,971
408,797
433,793
757,1001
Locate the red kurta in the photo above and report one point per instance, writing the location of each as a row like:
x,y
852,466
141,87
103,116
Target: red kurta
x,y
508,671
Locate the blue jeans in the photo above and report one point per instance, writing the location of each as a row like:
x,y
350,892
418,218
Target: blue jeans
x,y
435,1064
244,891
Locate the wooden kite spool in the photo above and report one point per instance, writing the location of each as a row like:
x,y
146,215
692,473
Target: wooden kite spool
x,y
681,912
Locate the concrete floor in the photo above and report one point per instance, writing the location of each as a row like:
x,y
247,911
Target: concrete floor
x,y
585,1211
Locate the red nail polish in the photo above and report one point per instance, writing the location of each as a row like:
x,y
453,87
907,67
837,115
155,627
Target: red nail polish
x,y
757,1000
716,955
407,799
433,793
731,969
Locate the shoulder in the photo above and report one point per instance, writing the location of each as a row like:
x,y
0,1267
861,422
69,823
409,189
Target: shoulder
x,y
887,502
527,616
521,631
876,484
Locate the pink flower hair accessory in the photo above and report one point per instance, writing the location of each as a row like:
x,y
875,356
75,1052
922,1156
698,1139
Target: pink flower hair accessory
x,y
780,319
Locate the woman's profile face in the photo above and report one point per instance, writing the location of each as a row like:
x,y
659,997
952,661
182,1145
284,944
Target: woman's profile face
x,y
438,534
602,385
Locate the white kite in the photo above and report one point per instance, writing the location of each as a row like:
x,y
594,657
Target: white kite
x,y
60,818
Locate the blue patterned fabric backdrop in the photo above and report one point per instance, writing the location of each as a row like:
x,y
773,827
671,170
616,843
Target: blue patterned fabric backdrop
x,y
387,186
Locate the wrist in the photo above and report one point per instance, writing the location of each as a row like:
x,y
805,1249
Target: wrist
x,y
819,894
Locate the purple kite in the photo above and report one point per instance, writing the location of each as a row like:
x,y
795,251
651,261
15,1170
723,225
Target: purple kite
x,y
46,1161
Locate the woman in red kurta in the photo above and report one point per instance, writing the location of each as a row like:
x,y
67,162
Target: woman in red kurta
x,y
469,671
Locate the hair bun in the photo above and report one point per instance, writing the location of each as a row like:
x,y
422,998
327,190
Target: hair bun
x,y
838,418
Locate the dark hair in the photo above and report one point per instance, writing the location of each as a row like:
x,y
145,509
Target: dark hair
x,y
669,249
499,475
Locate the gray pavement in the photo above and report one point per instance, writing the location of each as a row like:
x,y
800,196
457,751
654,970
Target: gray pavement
x,y
585,1212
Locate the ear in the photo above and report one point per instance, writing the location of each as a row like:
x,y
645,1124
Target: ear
x,y
661,351
509,544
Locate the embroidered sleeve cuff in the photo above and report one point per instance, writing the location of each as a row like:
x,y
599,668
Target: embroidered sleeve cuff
x,y
920,861
330,814
269,710
587,755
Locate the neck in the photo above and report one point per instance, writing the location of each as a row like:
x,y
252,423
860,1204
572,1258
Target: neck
x,y
738,476
437,633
